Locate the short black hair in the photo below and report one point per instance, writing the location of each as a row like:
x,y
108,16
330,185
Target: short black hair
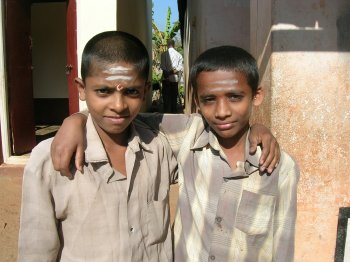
x,y
114,47
171,42
226,58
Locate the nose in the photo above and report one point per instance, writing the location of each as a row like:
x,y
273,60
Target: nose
x,y
222,109
118,103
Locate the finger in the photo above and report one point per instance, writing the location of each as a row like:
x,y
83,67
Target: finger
x,y
79,158
268,164
264,155
64,165
277,156
253,145
272,165
66,172
275,160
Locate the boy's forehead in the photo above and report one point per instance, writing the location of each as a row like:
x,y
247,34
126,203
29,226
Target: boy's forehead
x,y
221,77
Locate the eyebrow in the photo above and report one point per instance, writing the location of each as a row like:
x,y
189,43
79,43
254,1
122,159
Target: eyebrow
x,y
232,90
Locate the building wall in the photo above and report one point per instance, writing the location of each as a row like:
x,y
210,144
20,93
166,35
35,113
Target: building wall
x,y
97,16
210,24
215,23
303,52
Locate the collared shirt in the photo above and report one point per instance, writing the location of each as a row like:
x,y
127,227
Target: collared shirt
x,y
170,60
100,215
226,215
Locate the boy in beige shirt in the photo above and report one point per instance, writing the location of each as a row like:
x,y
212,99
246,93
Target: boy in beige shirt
x,y
118,209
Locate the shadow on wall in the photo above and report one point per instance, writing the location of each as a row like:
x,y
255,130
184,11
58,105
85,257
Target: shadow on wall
x,y
343,38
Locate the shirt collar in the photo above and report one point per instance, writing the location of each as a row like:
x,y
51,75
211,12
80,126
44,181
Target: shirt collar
x,y
135,141
251,162
95,151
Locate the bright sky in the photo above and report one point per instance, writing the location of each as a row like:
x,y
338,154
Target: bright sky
x,y
160,9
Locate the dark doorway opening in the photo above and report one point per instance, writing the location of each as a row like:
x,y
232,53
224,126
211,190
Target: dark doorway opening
x,y
40,42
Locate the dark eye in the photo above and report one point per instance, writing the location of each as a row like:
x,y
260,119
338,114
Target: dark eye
x,y
132,92
104,91
235,97
207,99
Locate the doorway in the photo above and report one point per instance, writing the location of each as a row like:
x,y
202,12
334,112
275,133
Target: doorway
x,y
40,58
50,90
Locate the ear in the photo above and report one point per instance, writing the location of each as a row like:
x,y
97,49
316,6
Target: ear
x,y
196,102
259,96
81,88
147,88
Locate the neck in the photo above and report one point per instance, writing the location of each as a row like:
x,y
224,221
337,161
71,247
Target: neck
x,y
236,142
113,140
234,148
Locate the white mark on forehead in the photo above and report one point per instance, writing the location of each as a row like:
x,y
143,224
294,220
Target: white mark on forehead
x,y
226,82
120,73
119,70
119,77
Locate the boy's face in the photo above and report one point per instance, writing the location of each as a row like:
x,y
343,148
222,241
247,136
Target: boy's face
x,y
225,100
114,94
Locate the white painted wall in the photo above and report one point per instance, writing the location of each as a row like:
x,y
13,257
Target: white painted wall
x,y
135,17
93,17
97,16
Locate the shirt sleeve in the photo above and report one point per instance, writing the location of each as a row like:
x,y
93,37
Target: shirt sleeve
x,y
179,63
38,235
286,211
173,126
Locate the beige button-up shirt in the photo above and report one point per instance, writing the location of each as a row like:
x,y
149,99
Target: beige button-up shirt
x,y
100,215
224,215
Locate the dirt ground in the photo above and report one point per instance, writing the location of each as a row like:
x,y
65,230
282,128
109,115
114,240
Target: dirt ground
x,y
10,203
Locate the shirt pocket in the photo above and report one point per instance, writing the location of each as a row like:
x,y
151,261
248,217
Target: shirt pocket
x,y
255,213
158,221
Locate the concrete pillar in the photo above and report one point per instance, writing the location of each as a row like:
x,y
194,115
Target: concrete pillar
x,y
303,50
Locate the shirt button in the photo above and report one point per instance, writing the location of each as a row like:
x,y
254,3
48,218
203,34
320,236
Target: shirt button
x,y
212,257
132,229
218,219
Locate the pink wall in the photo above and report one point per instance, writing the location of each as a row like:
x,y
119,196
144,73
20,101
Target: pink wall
x,y
308,108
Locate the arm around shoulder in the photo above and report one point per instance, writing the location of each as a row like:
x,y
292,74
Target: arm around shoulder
x,y
69,143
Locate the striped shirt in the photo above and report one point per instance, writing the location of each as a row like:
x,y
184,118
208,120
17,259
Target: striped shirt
x,y
226,215
100,215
